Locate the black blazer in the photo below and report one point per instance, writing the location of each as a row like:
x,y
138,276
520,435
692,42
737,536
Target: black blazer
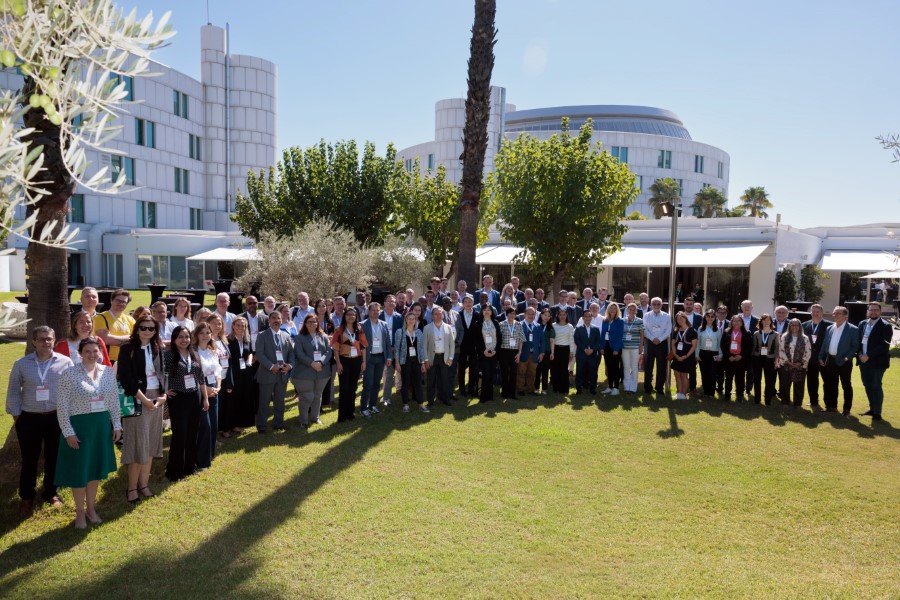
x,y
234,362
879,345
479,339
695,321
467,343
819,332
754,322
746,345
131,369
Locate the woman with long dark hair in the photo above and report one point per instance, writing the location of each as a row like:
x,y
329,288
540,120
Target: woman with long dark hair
x,y
542,376
487,342
562,338
349,344
237,409
709,352
187,401
320,309
312,354
737,349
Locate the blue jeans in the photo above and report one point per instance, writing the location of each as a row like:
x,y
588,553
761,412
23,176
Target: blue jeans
x,y
372,381
871,378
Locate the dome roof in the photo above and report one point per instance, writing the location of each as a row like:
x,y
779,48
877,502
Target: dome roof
x,y
628,119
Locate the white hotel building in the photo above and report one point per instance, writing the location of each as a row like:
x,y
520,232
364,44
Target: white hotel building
x,y
187,146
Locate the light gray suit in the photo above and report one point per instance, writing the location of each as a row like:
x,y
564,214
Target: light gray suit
x,y
308,382
272,386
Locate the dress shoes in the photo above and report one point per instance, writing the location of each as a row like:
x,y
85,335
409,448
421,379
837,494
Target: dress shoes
x,y
26,507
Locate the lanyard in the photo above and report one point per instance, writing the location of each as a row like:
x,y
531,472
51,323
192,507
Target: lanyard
x,y
680,336
42,375
765,338
241,347
277,339
187,360
350,336
410,340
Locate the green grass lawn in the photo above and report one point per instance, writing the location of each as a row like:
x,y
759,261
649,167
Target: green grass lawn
x,y
544,497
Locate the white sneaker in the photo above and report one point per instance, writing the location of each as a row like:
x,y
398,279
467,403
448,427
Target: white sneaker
x,y
406,408
425,408
374,410
607,391
680,397
366,414
614,392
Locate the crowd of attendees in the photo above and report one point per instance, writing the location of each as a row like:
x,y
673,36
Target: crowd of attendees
x,y
126,376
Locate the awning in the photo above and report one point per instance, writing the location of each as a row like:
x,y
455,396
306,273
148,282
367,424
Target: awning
x,y
858,260
501,254
893,274
224,254
708,255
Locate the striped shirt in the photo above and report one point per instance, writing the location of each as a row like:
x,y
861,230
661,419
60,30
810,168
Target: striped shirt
x,y
27,374
633,329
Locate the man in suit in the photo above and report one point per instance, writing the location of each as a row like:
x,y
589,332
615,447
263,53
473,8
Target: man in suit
x,y
518,294
522,305
603,301
468,325
394,321
875,336
274,352
256,319
815,330
840,347
721,324
461,287
587,350
378,356
751,322
440,346
222,302
299,312
643,304
542,304
488,288
587,298
532,352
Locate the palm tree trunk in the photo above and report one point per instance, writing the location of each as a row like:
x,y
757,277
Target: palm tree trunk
x,y
46,266
475,137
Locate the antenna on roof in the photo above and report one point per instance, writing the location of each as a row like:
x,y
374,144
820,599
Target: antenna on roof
x,y
208,22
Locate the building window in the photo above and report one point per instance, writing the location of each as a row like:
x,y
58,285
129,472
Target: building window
x,y
145,133
76,209
620,153
168,270
430,162
146,214
698,163
180,104
664,161
639,183
182,181
113,270
194,146
118,164
680,186
721,169
129,84
196,218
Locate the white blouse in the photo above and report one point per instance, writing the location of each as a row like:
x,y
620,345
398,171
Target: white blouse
x,y
564,335
77,390
209,364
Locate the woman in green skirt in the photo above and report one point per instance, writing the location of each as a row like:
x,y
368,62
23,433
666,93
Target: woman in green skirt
x,y
87,403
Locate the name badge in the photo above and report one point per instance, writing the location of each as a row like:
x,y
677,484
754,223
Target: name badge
x,y
412,351
243,364
97,404
223,362
627,337
708,343
488,339
763,351
42,393
189,383
530,337
279,356
865,339
814,336
353,352
680,347
734,346
607,336
152,382
376,343
317,356
211,380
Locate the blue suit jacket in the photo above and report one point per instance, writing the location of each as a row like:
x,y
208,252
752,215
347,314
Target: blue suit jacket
x,y
493,298
616,331
535,347
395,323
587,337
848,347
386,345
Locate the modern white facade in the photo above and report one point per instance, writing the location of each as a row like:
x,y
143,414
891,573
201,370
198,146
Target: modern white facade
x,y
652,141
186,148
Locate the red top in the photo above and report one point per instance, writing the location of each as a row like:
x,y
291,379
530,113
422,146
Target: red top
x,y
62,347
735,346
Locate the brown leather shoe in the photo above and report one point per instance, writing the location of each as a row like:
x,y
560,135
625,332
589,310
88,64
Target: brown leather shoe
x,y
26,507
55,502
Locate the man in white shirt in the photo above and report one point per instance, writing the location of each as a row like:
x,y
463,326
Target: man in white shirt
x,y
781,320
750,322
657,330
461,287
643,304
587,298
466,329
222,302
89,301
439,353
602,300
299,312
840,347
337,317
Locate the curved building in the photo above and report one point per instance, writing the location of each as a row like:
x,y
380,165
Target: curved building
x,y
652,141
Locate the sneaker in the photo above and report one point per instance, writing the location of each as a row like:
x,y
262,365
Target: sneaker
x,y
406,408
680,397
425,408
374,410
614,392
387,402
366,413
606,391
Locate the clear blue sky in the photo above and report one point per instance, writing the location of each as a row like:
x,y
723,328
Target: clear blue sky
x,y
795,92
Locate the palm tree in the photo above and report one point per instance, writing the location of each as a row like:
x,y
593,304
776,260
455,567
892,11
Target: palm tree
x,y
709,202
475,136
664,190
755,201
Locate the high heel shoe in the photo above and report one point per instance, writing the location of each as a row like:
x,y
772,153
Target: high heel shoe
x,y
136,499
150,494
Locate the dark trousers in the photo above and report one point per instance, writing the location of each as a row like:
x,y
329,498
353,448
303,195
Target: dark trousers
x,y
790,389
467,362
613,367
184,413
37,432
488,364
735,373
508,372
720,376
655,354
438,380
560,370
586,371
812,380
348,383
831,374
871,378
542,374
710,370
692,378
372,381
763,366
411,374
750,376
206,434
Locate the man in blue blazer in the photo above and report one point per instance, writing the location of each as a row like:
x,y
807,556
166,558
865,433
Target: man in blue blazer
x,y
840,347
493,295
875,336
587,353
532,353
378,355
394,321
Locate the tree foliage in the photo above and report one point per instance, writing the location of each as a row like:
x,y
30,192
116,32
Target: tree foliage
x,y
809,287
891,142
427,208
328,181
320,258
561,200
400,263
755,201
635,216
664,190
709,202
785,286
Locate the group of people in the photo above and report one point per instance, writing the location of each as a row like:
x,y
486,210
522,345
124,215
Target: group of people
x,y
217,373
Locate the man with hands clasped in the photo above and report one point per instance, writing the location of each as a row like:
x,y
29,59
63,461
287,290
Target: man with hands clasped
x,y
274,352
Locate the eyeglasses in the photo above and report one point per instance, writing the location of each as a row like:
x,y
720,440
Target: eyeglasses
x,y
120,301
146,328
